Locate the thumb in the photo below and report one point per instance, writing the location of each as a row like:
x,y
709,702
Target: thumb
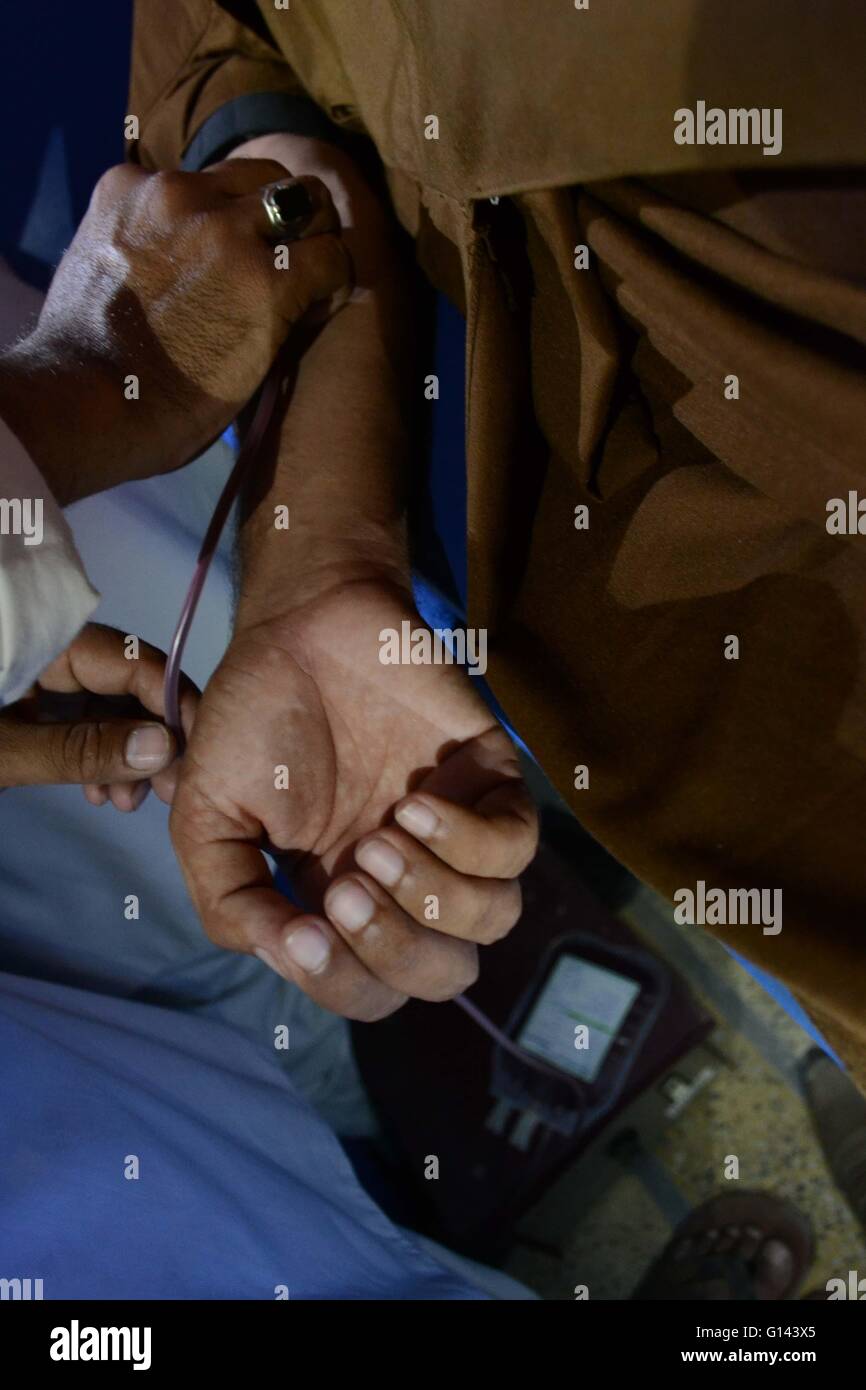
x,y
116,750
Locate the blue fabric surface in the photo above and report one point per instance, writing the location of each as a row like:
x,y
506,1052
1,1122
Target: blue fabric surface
x,y
149,1154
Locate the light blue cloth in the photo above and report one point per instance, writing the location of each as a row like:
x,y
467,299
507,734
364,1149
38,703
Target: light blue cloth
x,y
242,1191
68,870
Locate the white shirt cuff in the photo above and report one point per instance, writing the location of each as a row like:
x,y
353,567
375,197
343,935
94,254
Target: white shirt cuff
x,y
45,596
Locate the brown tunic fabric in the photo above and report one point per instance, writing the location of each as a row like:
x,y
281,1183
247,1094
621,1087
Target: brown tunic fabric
x,y
605,387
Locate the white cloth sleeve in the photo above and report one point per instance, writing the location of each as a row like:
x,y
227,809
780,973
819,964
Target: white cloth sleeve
x,y
45,596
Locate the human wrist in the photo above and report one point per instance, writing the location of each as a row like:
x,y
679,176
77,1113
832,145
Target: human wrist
x,y
57,411
316,562
71,414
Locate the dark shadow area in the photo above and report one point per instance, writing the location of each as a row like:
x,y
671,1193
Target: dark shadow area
x,y
62,103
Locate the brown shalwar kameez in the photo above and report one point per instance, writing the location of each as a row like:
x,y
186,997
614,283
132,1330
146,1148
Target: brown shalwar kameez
x,y
610,387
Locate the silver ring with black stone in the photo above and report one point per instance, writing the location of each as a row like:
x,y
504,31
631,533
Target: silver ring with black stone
x,y
289,208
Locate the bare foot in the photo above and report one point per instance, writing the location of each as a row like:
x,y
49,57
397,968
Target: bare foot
x,y
748,1245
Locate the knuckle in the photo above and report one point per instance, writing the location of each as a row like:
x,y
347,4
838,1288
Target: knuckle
x,y
469,973
111,185
176,197
501,913
525,847
323,264
369,1006
416,968
169,184
512,906
84,751
408,965
271,171
224,240
217,931
462,975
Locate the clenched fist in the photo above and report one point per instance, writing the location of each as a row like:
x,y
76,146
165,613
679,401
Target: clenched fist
x,y
163,319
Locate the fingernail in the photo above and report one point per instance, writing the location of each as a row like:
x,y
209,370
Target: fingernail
x,y
382,862
309,949
294,205
147,748
417,818
351,906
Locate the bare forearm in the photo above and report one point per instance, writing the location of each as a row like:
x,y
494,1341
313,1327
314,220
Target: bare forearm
x,y
339,463
340,467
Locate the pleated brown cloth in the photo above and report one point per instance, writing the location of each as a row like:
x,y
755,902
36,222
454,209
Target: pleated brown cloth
x,y
604,379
